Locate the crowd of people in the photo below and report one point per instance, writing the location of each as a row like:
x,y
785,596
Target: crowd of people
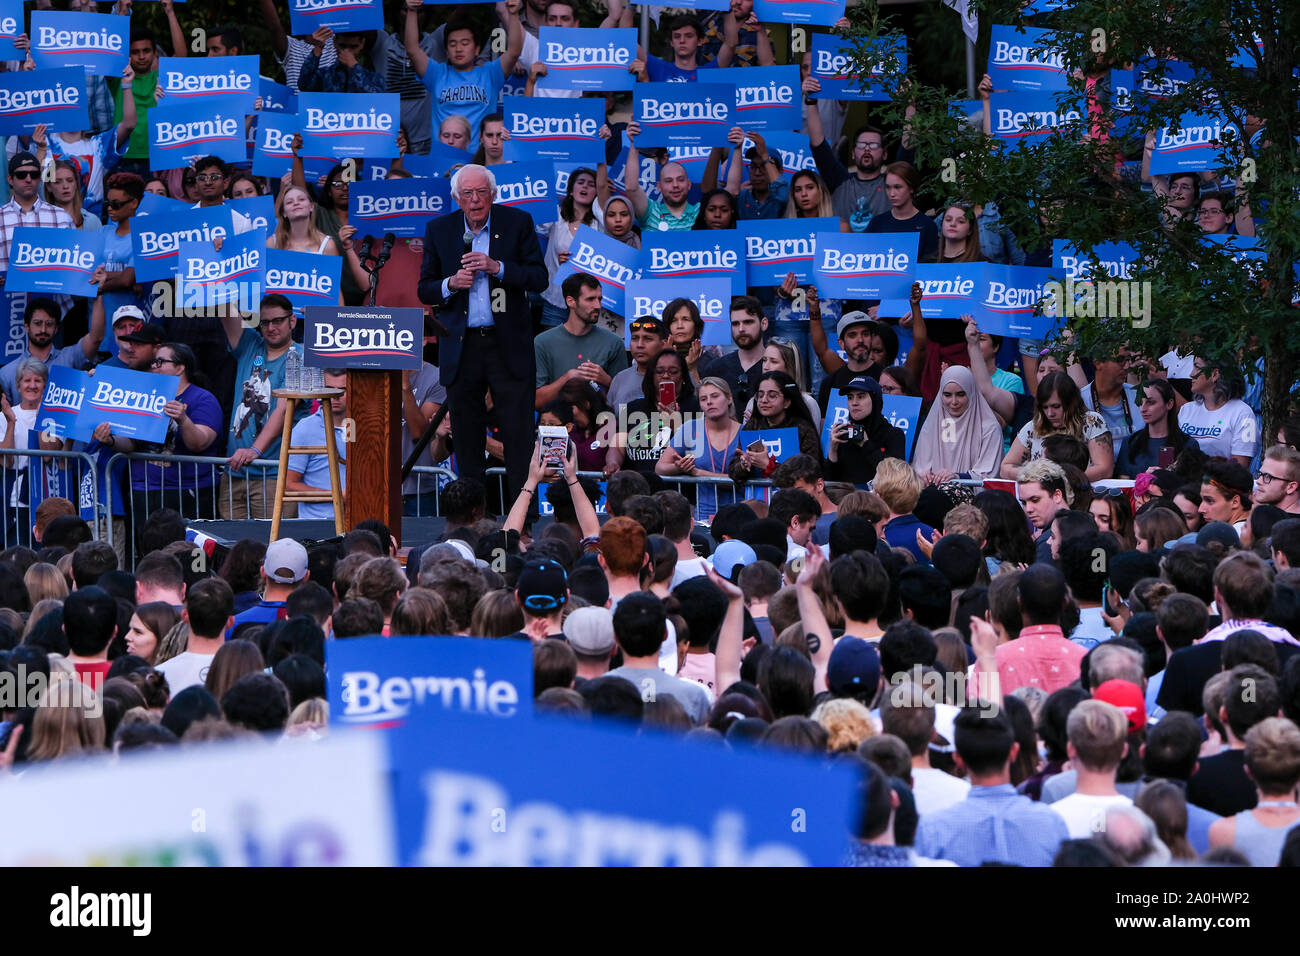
x,y
1054,619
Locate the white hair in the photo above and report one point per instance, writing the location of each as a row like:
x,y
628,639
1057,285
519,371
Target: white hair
x,y
487,173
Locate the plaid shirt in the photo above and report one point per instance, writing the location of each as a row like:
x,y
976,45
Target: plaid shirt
x,y
99,103
41,214
338,78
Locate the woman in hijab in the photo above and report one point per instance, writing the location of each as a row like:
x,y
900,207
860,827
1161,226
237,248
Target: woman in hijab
x,y
858,445
964,439
620,222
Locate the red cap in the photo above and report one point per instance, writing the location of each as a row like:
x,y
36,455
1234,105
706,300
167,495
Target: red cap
x,y
1128,698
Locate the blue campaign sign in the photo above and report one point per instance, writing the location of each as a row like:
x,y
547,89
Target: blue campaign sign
x,y
614,263
260,211
630,800
793,148
1009,298
1026,61
236,273
11,28
901,411
711,296
819,13
156,239
775,247
273,144
781,443
556,128
177,135
1024,118
439,161
304,278
61,404
421,681
1157,81
151,204
349,124
132,402
95,42
1116,259
948,291
403,207
54,260
1196,143
363,338
767,97
546,510
1121,101
527,186
684,114
276,97
29,98
196,80
341,16
583,59
852,265
832,66
687,256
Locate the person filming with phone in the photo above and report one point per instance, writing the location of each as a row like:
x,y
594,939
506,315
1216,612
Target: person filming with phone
x,y
859,445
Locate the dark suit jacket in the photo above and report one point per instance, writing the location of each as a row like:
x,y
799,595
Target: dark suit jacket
x,y
513,242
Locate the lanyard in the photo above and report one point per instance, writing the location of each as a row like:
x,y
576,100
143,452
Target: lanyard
x,y
1123,403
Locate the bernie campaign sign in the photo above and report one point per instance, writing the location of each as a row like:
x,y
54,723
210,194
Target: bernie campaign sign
x,y
687,256
1026,61
403,207
11,28
901,411
276,97
853,265
151,204
236,273
132,402
776,247
1025,118
650,297
583,59
95,42
555,129
832,66
363,338
304,278
349,124
793,148
377,682
1116,259
177,137
56,98
437,162
197,80
1195,144
614,263
676,114
61,404
780,443
156,239
273,145
819,13
948,291
1160,80
1009,298
54,260
633,800
527,186
767,97
341,16
259,210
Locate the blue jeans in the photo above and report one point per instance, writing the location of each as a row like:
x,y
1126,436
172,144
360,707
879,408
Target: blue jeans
x,y
553,315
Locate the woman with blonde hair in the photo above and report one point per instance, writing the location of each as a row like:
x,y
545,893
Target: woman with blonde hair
x,y
44,582
809,198
705,452
295,225
69,721
847,724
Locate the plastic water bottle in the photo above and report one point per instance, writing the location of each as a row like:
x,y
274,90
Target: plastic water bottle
x,y
293,371
316,379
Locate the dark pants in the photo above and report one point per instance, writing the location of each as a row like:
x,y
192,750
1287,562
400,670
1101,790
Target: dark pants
x,y
483,369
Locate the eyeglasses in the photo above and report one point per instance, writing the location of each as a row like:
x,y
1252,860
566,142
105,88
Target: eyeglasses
x,y
160,362
868,145
337,183
209,177
275,319
476,193
26,174
117,203
1265,479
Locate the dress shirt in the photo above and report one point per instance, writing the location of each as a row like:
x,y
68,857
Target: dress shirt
x,y
480,310
993,824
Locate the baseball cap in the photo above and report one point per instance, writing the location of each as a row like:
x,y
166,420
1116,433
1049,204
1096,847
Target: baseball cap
x,y
854,665
863,383
148,334
285,561
542,586
127,312
22,159
590,631
851,318
1128,698
731,555
1219,531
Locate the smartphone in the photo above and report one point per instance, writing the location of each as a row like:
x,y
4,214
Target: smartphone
x,y
1109,599
1166,458
554,440
667,393
756,445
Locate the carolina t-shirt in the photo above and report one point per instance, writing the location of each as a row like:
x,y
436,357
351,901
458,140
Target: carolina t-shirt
x,y
469,93
1230,430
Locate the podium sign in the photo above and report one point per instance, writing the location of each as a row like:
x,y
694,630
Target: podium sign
x,y
366,337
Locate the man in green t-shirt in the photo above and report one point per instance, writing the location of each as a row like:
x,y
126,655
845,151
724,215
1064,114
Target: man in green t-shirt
x,y
144,61
577,350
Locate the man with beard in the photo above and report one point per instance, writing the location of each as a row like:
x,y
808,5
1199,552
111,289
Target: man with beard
x,y
674,212
740,369
854,331
859,195
137,341
577,350
41,319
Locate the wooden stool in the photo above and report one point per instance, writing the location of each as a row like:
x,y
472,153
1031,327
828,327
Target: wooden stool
x,y
330,450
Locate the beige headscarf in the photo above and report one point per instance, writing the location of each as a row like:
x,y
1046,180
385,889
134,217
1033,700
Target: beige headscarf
x,y
969,444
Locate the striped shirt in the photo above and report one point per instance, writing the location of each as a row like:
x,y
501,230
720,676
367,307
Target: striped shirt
x,y
657,218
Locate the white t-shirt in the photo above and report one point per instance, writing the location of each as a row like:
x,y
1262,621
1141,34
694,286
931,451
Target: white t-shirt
x,y
1230,430
690,568
185,670
933,790
1083,814
24,422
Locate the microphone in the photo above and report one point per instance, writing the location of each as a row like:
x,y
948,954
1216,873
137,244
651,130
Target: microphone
x,y
386,252
366,244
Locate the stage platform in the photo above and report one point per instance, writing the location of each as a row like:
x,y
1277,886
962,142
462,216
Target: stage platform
x,y
415,531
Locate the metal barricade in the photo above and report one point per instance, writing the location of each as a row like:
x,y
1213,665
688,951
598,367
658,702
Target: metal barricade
x,y
52,479
739,490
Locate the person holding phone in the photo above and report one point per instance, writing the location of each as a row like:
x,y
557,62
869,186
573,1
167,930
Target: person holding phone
x,y
703,448
859,445
667,397
778,404
1159,441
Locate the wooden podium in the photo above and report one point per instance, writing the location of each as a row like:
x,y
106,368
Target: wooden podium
x,y
374,456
